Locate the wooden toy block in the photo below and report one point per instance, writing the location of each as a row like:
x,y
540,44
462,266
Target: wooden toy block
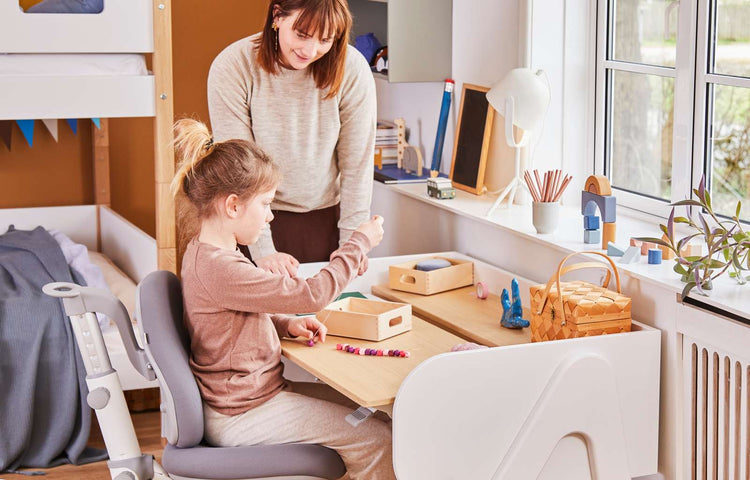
x,y
666,253
654,256
607,206
412,159
646,246
367,319
592,236
590,222
614,250
692,250
635,243
609,234
405,277
598,184
631,255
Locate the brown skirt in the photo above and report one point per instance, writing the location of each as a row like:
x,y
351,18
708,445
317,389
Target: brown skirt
x,y
308,237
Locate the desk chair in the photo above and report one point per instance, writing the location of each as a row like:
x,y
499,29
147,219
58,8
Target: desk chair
x,y
165,354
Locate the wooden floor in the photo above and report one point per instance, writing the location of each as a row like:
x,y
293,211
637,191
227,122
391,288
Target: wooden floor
x,y
149,436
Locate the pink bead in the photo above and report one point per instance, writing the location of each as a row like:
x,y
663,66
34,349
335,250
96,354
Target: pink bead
x,y
402,353
338,346
380,353
407,355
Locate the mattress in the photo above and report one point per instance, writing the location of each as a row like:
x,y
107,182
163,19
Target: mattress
x,y
68,64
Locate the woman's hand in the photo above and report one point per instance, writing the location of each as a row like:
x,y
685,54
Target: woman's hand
x,y
308,327
363,265
279,263
373,230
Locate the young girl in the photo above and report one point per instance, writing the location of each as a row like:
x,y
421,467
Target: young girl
x,y
233,310
307,97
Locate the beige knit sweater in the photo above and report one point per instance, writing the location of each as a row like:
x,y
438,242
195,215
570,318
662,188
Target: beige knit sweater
x,y
324,148
232,313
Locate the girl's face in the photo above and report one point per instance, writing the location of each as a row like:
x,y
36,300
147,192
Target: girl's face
x,y
252,216
299,49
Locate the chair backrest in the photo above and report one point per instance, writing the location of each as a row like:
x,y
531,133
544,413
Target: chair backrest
x,y
160,312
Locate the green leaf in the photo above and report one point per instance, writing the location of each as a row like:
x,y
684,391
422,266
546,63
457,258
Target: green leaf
x,y
685,291
686,203
679,269
739,207
708,200
681,220
733,274
716,264
657,241
739,236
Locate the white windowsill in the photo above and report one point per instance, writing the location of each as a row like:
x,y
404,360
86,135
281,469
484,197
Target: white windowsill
x,y
727,295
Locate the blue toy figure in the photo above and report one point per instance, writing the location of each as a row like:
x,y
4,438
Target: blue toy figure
x,y
512,314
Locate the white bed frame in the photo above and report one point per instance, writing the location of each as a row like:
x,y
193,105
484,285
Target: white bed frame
x,y
99,229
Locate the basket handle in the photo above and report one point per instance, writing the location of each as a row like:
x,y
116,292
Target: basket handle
x,y
555,279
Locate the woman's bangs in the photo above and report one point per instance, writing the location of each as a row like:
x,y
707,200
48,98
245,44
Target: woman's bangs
x,y
321,20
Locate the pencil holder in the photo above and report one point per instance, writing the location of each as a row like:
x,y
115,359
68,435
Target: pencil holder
x,y
545,216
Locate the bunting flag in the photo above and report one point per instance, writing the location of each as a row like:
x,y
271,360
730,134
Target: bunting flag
x,y
6,128
97,122
73,123
51,124
27,128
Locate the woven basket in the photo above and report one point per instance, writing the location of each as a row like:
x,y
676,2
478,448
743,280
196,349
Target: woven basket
x,y
574,309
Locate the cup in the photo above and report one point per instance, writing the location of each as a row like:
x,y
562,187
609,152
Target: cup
x,y
545,216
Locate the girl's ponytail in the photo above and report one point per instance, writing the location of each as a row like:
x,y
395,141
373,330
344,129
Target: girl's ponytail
x,y
193,142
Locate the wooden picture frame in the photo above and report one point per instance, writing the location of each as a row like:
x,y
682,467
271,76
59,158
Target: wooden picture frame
x,y
472,139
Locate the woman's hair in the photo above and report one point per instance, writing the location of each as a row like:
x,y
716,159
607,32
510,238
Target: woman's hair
x,y
209,170
323,17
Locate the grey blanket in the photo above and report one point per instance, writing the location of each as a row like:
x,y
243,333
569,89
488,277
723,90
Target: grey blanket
x,y
44,420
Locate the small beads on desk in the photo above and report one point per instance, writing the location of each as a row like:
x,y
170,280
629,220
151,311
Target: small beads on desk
x,y
311,343
345,347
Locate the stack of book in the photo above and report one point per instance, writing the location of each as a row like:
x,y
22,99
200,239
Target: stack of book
x,y
386,140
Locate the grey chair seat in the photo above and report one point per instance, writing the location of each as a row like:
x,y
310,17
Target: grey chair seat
x,y
160,311
250,462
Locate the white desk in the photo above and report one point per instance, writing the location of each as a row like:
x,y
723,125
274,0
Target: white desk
x,y
554,410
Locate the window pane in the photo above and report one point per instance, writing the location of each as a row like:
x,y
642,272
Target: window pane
x,y
730,150
732,49
645,31
641,133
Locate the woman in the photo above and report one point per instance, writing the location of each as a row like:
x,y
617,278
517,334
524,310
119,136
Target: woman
x,y
307,98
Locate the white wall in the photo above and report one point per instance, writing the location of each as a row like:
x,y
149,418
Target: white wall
x,y
485,47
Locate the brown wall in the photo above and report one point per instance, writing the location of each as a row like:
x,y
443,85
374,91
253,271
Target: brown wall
x,y
60,173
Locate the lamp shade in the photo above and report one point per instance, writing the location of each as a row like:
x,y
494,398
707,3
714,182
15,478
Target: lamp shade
x,y
530,93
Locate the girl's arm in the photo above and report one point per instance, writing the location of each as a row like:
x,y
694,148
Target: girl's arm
x,y
238,285
355,147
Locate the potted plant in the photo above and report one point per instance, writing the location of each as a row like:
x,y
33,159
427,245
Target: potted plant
x,y
728,244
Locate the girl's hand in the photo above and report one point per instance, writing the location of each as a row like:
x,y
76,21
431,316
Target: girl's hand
x,y
307,327
280,264
373,230
363,265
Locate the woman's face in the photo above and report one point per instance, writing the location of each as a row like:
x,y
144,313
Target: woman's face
x,y
300,49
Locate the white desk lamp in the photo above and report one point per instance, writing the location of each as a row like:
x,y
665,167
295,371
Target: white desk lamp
x,y
522,97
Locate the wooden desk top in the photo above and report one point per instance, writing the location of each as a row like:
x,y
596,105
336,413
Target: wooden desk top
x,y
461,312
370,381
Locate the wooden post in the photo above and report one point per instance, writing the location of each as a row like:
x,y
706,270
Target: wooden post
x,y
100,151
163,148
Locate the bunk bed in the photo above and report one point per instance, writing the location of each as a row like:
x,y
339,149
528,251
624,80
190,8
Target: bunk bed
x,y
61,66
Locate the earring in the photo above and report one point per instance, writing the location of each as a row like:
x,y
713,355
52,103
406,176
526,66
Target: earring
x,y
276,31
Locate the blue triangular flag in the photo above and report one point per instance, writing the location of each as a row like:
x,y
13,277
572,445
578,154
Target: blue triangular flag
x,y
97,122
27,128
73,123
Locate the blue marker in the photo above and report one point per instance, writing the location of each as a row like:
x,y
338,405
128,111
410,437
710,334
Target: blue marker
x,y
437,152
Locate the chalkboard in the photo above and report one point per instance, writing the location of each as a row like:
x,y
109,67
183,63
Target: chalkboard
x,y
472,139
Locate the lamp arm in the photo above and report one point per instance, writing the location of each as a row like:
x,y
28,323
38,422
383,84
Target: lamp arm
x,y
509,114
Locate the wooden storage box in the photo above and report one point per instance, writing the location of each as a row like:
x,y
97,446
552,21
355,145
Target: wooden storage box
x,y
407,278
366,319
578,308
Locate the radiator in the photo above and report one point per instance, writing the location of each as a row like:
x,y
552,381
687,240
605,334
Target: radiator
x,y
716,387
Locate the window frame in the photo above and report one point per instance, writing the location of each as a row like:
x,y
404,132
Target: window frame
x,y
684,126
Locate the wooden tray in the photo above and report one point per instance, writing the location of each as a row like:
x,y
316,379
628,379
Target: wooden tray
x,y
366,319
405,277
